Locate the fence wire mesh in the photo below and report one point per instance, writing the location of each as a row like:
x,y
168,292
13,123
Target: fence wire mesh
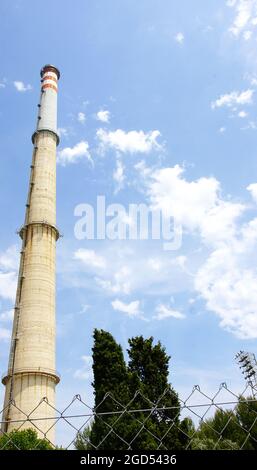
x,y
224,420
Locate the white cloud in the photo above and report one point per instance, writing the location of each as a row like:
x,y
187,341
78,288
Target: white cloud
x,y
253,190
163,311
251,125
231,3
234,98
227,283
118,175
196,205
6,316
132,309
247,35
90,258
179,38
220,223
81,117
9,259
21,87
222,271
2,85
86,371
188,202
242,114
129,270
74,154
128,142
251,78
8,283
155,264
84,308
226,280
62,131
159,265
5,334
142,169
103,116
245,12
120,281
222,130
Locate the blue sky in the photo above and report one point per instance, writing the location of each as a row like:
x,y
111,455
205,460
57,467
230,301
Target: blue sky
x,y
156,105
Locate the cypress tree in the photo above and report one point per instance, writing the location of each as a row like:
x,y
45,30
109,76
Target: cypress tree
x,y
162,428
111,392
136,407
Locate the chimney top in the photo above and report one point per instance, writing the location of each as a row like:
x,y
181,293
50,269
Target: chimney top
x,y
49,68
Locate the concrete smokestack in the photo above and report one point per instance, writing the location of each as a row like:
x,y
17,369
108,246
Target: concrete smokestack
x,y
31,374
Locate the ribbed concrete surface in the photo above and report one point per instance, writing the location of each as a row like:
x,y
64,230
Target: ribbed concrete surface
x,y
31,373
43,197
29,389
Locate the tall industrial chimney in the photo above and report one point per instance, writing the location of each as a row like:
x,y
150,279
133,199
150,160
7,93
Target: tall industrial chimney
x,y
31,374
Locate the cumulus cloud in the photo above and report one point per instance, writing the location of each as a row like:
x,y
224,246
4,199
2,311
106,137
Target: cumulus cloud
x,y
194,204
8,283
233,99
9,260
254,81
251,125
81,117
231,3
227,283
128,142
253,190
131,309
118,176
74,154
222,273
245,17
129,269
247,35
162,312
5,334
90,258
21,87
242,114
85,372
119,281
179,38
226,279
62,131
103,116
189,201
6,316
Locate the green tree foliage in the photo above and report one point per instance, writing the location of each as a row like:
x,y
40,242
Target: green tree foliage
x,y
110,376
221,425
246,415
162,428
142,385
209,444
26,439
229,429
83,438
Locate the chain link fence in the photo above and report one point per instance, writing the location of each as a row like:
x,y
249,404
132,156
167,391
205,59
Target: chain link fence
x,y
224,420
